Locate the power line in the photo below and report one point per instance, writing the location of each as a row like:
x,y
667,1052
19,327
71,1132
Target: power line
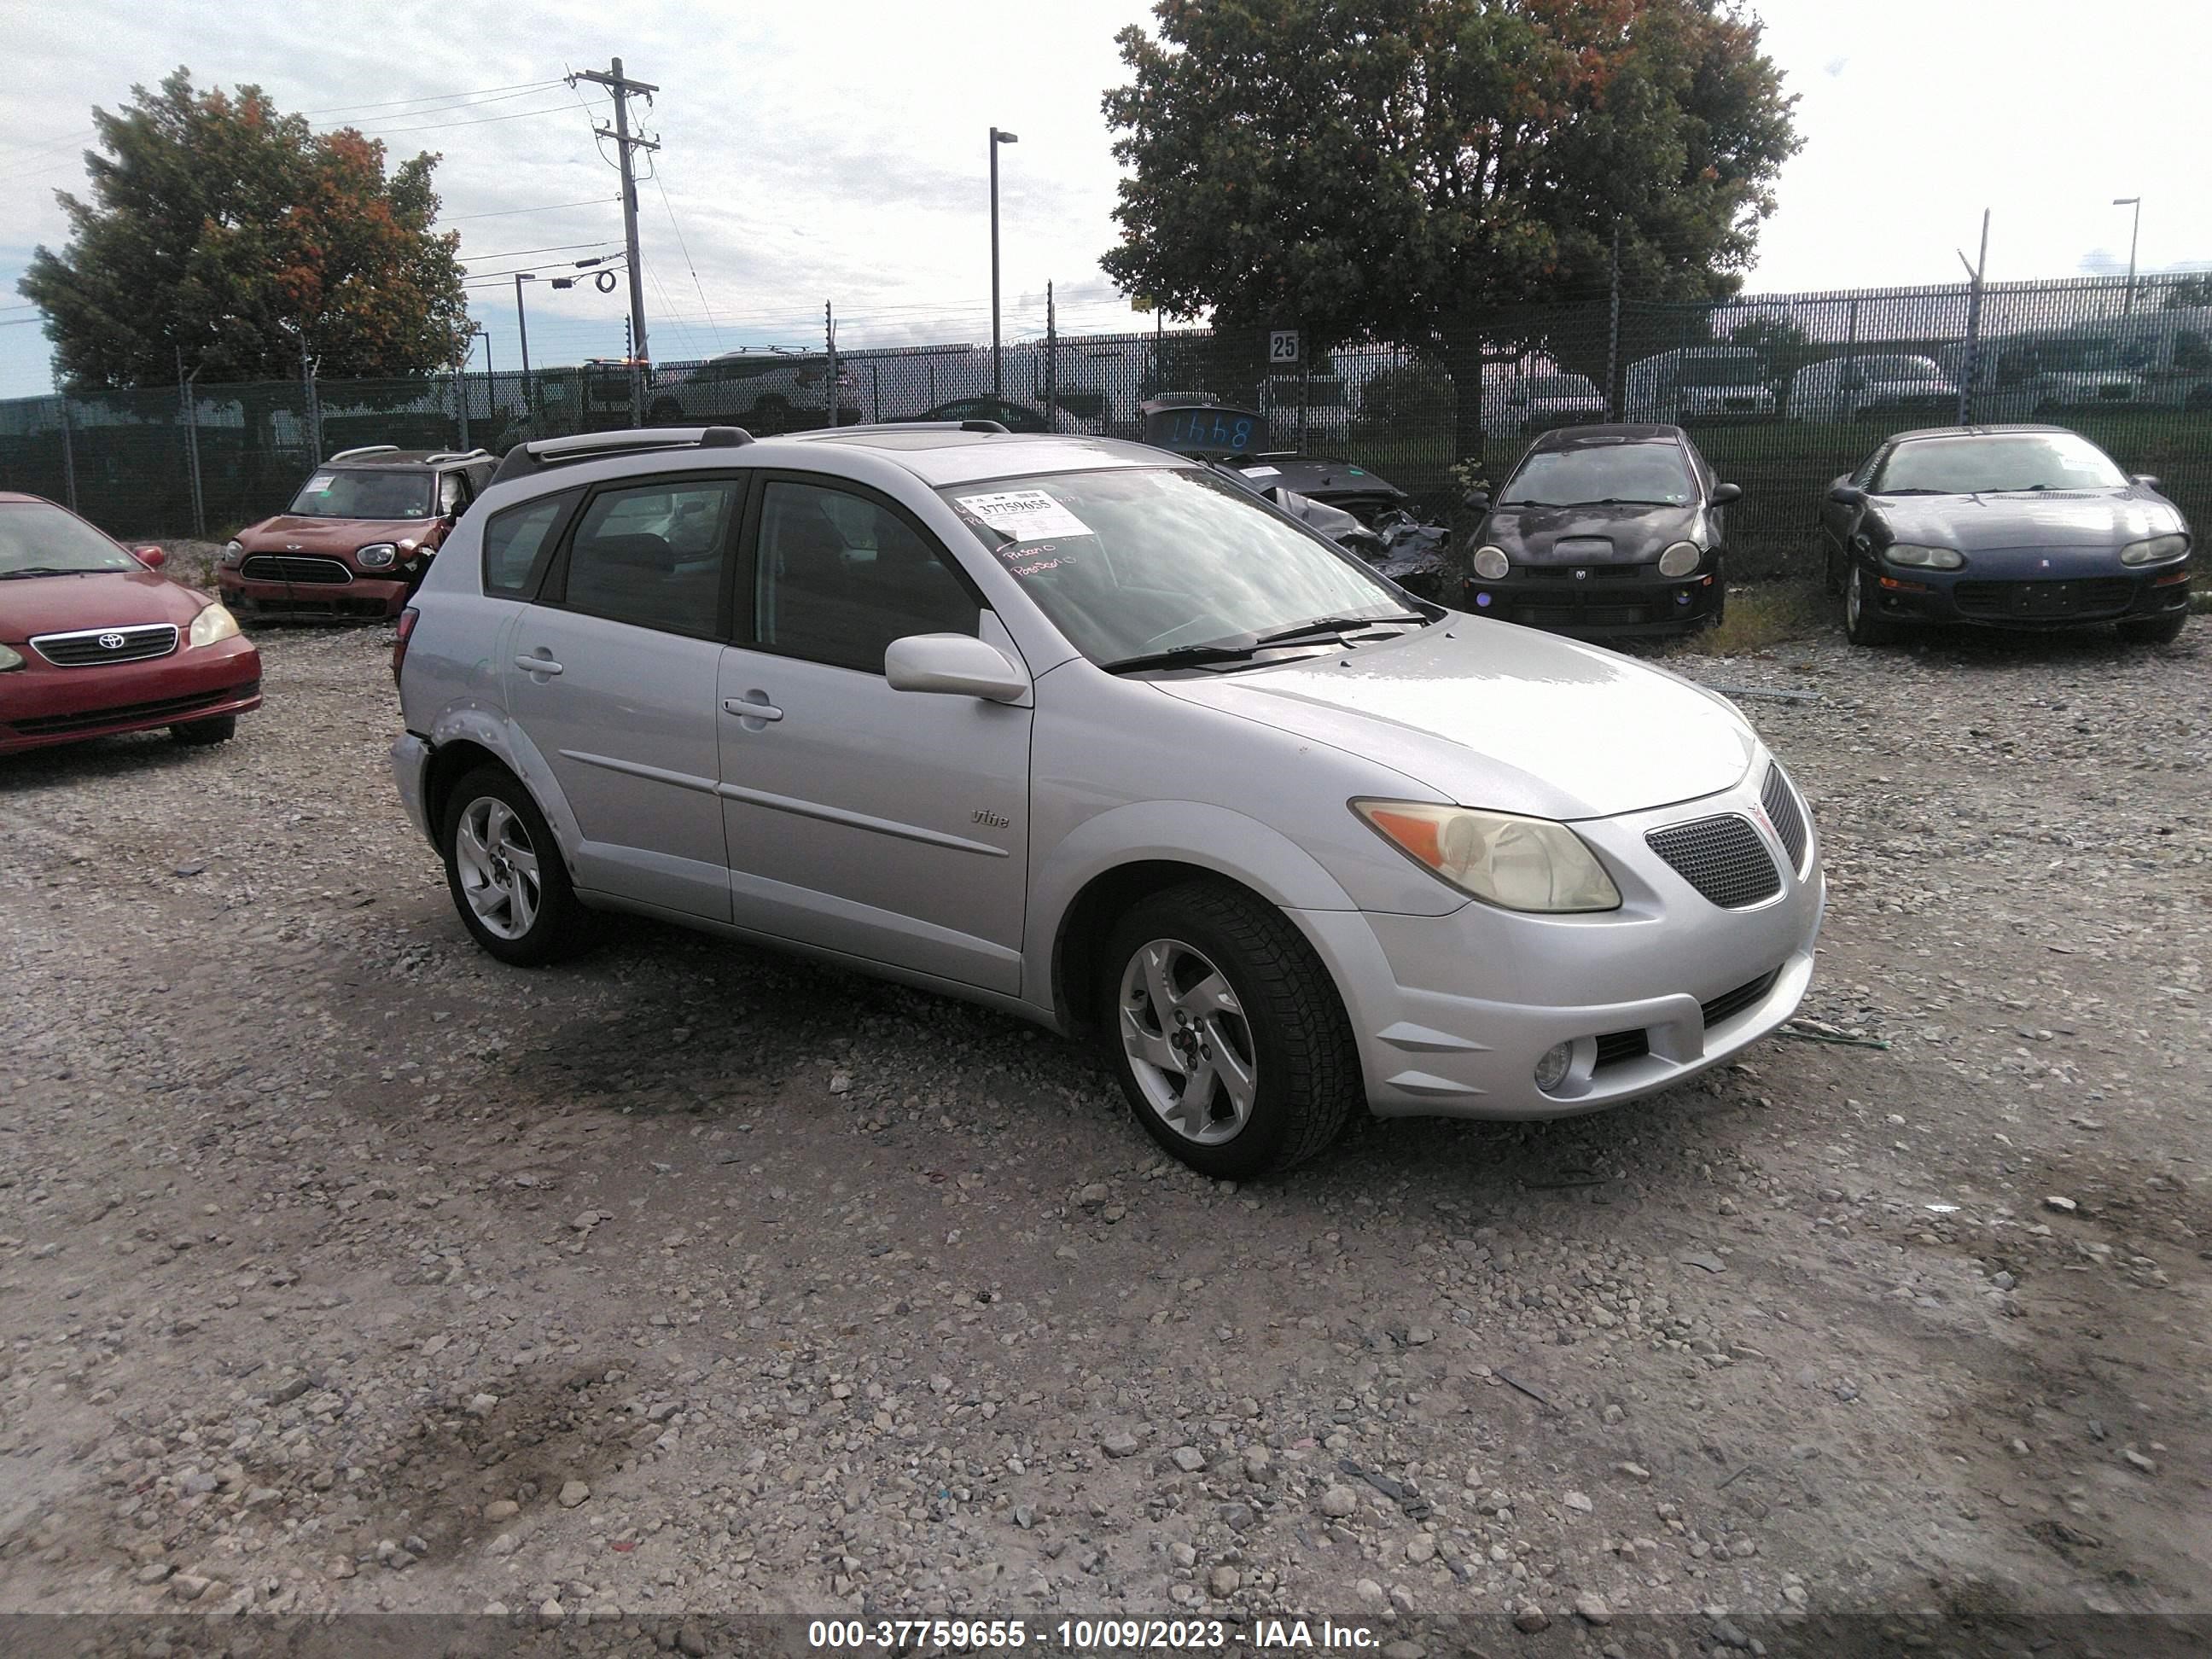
x,y
513,90
520,252
550,207
488,120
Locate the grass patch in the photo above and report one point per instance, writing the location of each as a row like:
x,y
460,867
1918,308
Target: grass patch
x,y
1764,616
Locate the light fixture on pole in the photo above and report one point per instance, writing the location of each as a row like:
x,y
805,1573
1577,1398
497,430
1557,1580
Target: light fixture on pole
x,y
2135,201
997,139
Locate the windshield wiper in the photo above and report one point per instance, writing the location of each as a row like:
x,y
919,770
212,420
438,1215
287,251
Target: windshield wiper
x,y
1184,656
46,570
1337,625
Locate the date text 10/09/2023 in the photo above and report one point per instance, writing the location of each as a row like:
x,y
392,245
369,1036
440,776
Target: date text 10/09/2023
x,y
908,1636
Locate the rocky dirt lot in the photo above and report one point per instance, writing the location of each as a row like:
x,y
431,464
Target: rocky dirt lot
x,y
343,1268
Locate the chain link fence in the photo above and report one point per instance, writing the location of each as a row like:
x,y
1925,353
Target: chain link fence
x,y
1783,391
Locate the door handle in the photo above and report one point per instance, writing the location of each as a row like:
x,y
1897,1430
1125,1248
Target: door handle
x,y
537,665
746,709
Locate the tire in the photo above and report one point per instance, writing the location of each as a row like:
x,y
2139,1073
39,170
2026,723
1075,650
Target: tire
x,y
1863,625
1271,1012
2154,630
525,914
196,734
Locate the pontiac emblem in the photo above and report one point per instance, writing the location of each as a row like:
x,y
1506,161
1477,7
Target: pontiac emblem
x,y
111,641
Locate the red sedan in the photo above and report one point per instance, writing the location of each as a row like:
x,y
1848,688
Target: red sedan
x,y
93,641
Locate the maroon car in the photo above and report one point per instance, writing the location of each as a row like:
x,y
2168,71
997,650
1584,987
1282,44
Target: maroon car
x,y
356,538
93,641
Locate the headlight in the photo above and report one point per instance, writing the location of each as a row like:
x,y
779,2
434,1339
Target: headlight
x,y
1490,563
2156,550
377,556
1930,558
1680,559
233,554
213,626
10,657
1523,864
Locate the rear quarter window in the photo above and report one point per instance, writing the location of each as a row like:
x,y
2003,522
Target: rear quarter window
x,y
519,542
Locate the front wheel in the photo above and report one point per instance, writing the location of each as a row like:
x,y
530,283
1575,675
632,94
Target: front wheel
x,y
1862,623
2154,630
505,874
1229,1040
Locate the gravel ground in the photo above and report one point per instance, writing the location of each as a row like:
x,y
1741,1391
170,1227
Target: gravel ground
x,y
343,1268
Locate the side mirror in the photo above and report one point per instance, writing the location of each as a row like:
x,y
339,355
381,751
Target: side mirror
x,y
955,665
2146,480
1477,500
1725,493
1845,495
152,557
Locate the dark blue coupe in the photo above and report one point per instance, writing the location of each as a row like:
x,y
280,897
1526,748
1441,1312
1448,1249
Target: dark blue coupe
x,y
2003,526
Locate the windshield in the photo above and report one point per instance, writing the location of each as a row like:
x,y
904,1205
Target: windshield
x,y
1722,371
1560,386
1135,561
2021,460
365,493
1609,472
40,539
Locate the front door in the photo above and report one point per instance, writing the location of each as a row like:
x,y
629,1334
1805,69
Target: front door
x,y
612,675
890,825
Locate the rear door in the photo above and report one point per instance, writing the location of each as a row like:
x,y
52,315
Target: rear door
x,y
890,825
611,674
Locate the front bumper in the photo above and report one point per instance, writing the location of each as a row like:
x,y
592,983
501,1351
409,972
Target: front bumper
x,y
2061,600
363,599
1605,601
1452,1013
40,704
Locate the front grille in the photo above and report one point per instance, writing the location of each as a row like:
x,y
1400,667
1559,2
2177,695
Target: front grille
x,y
1722,857
1583,616
84,719
1728,1004
293,567
1780,801
2093,596
92,647
1618,1047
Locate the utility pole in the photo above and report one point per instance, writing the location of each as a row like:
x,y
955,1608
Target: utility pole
x,y
997,390
615,81
1973,323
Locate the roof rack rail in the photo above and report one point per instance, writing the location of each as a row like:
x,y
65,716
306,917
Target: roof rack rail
x,y
985,426
526,458
454,455
366,449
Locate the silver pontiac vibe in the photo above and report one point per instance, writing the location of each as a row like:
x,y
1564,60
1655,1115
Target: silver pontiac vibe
x,y
1076,729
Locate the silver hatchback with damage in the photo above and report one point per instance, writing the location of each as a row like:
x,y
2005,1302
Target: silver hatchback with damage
x,y
1074,728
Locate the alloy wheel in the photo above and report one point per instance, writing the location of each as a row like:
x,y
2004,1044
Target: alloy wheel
x,y
1187,1041
498,868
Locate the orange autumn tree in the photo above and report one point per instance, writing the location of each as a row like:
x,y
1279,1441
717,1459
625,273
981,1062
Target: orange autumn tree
x,y
228,236
1393,169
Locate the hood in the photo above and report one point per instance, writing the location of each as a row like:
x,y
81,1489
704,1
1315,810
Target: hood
x,y
289,533
99,598
2082,519
1631,533
1491,715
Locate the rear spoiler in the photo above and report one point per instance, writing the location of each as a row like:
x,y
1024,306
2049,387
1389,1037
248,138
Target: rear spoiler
x,y
526,458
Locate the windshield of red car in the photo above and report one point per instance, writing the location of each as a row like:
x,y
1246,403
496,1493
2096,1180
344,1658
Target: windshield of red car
x,y
40,539
356,492
2011,461
1653,472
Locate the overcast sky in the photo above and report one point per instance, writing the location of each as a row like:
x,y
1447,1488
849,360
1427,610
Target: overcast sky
x,y
837,151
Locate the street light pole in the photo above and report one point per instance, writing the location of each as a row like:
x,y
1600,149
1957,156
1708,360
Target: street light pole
x,y
998,139
2135,201
521,322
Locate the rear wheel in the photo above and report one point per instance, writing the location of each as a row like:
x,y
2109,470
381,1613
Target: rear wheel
x,y
2154,630
1229,1040
505,874
1863,624
197,733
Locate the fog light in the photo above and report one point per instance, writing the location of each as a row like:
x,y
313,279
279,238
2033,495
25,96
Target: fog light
x,y
1482,601
1551,1069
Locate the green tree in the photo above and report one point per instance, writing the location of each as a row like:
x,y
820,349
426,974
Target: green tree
x,y
2189,293
1402,169
233,237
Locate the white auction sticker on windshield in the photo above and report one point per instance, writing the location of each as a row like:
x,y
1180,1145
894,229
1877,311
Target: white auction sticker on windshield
x,y
1027,515
320,483
1262,471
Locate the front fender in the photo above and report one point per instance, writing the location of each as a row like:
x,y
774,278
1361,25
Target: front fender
x,y
1243,849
